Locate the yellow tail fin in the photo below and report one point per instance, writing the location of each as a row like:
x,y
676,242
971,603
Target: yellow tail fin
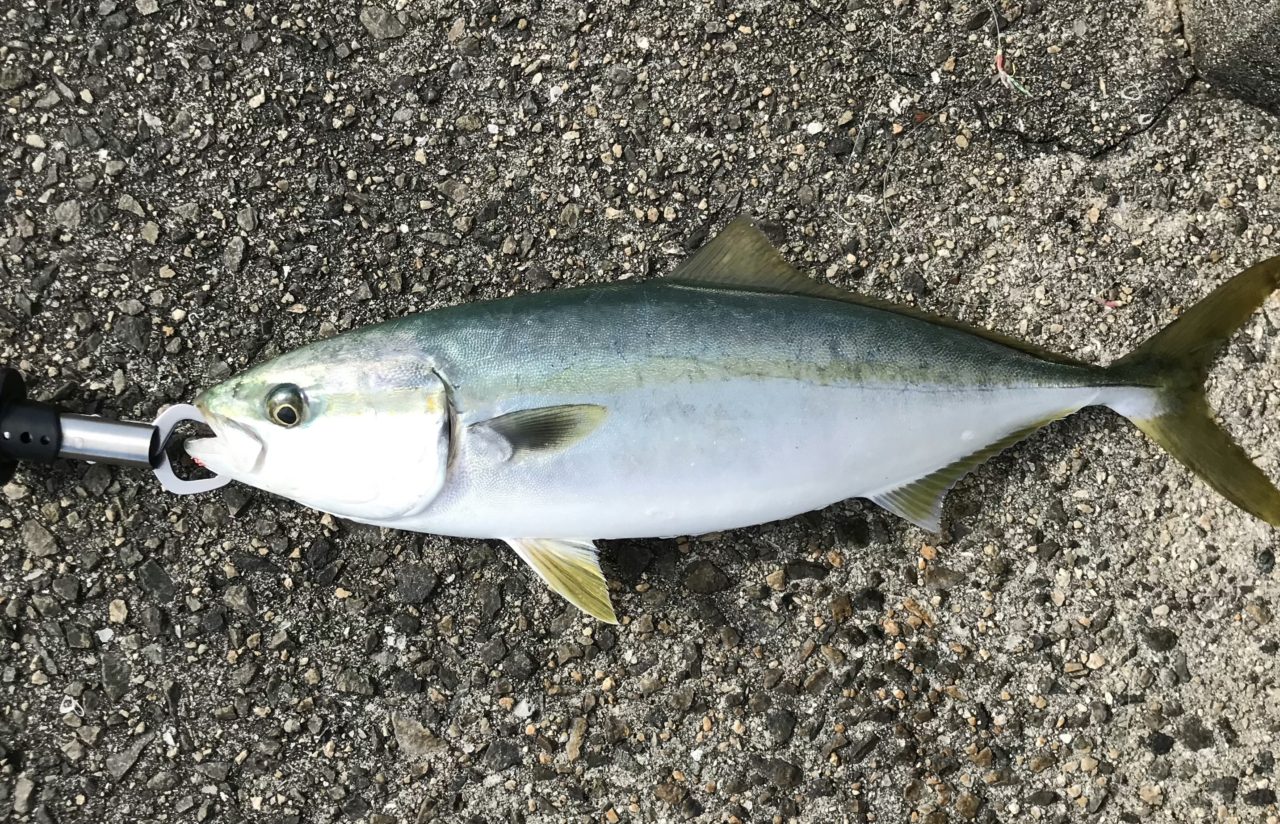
x,y
1176,361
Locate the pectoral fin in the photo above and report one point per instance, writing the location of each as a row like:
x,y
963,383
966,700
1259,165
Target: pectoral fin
x,y
544,429
572,569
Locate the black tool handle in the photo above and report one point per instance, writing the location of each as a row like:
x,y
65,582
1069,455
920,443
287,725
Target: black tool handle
x,y
29,430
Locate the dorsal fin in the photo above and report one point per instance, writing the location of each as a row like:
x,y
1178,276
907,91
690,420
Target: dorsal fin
x,y
742,259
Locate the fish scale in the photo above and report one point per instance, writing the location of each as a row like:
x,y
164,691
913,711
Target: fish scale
x,y
792,403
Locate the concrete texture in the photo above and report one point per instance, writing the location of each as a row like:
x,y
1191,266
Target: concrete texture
x,y
1236,46
188,188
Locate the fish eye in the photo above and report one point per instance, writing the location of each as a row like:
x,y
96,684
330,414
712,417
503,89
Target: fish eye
x,y
285,405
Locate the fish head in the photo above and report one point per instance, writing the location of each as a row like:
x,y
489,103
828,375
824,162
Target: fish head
x,y
356,430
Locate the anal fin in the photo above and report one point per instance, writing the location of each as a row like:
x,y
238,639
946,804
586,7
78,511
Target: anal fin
x,y
920,501
572,570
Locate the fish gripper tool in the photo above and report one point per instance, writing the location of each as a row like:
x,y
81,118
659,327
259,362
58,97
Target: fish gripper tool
x,y
36,432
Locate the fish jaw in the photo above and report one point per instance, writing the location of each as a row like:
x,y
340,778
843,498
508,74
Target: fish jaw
x,y
235,450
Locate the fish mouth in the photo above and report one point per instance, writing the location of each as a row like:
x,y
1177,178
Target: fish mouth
x,y
234,450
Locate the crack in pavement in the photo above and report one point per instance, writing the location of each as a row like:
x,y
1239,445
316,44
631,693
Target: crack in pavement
x,y
1063,143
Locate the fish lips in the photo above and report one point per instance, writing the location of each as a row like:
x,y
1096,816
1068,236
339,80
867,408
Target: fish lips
x,y
235,450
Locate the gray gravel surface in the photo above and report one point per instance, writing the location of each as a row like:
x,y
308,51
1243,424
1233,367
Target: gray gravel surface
x,y
190,187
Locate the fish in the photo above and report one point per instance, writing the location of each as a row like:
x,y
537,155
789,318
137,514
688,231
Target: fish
x,y
735,391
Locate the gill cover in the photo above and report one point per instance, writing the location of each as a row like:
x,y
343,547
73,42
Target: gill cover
x,y
387,461
360,436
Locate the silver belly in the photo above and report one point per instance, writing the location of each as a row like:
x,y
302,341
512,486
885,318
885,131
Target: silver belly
x,y
697,458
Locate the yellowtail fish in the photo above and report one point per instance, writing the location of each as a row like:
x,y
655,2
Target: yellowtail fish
x,y
733,392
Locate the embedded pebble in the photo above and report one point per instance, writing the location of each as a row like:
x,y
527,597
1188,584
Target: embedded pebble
x,y
704,577
415,740
233,254
39,541
381,23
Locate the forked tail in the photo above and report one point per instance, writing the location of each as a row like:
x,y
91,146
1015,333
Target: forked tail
x,y
1175,362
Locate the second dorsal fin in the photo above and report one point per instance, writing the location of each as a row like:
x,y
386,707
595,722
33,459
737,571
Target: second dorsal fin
x,y
741,258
